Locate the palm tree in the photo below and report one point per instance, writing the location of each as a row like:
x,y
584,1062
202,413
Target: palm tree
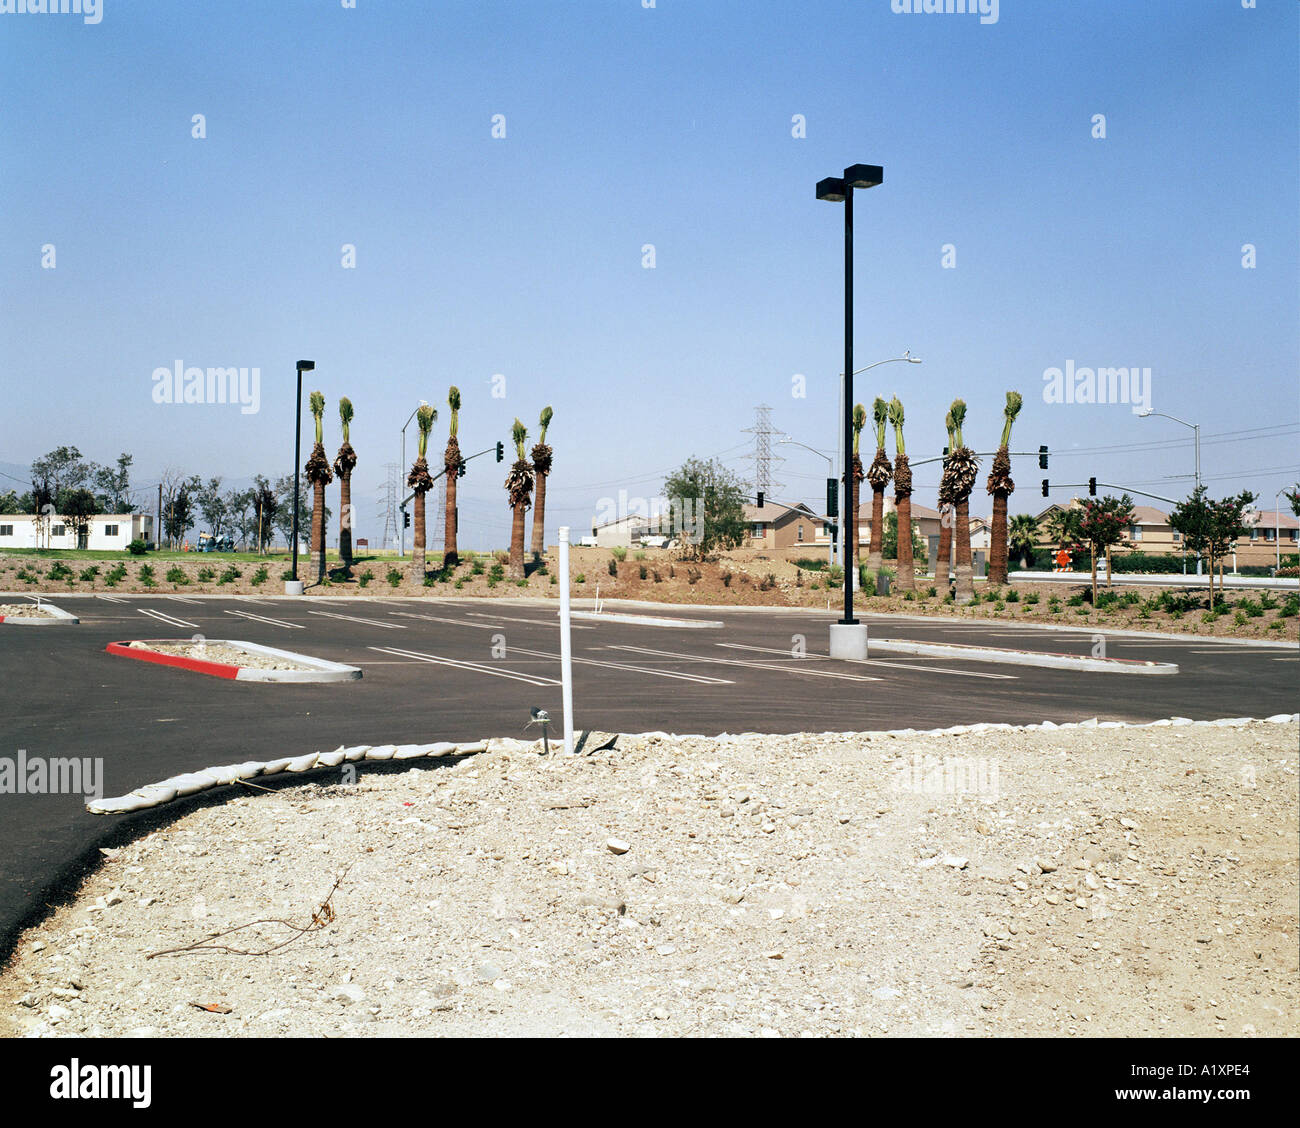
x,y
1001,487
454,465
965,470
541,467
859,421
902,500
344,463
1022,537
420,481
519,483
878,475
319,475
943,562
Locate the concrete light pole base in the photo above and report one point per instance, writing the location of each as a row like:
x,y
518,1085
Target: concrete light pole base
x,y
293,587
849,641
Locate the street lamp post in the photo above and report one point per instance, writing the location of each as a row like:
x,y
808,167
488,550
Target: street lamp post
x,y
830,467
848,636
293,586
1196,430
401,528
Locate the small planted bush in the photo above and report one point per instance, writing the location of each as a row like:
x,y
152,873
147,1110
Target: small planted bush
x,y
394,577
612,566
177,575
206,575
641,571
619,553
579,579
89,574
1031,598
146,575
230,575
137,547
59,571
259,577
1013,596
363,579
114,577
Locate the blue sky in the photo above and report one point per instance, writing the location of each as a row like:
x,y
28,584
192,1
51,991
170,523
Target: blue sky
x,y
670,126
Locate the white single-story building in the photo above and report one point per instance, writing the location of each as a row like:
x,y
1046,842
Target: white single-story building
x,y
621,533
105,531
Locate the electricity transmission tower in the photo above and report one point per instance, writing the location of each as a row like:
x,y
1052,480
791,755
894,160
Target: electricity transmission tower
x,y
763,458
391,487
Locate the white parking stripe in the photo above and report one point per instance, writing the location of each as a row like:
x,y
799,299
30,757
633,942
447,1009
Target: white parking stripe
x,y
511,619
264,619
181,598
748,665
438,660
166,618
478,626
877,662
111,598
698,678
356,619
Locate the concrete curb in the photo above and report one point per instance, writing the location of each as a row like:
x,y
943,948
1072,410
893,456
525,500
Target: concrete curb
x,y
191,783
1023,657
1159,579
645,620
319,669
59,618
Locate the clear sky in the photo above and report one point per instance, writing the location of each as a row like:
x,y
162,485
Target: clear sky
x,y
670,125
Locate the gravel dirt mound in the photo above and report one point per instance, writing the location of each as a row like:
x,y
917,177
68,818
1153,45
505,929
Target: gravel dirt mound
x,y
1086,881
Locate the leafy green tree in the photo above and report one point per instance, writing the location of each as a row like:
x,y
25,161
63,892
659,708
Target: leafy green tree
x,y
1210,527
889,540
1104,522
213,505
78,507
9,502
708,502
1022,537
113,485
63,468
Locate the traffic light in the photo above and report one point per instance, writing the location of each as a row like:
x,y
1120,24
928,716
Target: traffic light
x,y
832,498
1092,487
945,452
760,499
1044,487
1042,458
501,452
406,519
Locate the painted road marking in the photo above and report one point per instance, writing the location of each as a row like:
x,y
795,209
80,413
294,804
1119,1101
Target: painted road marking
x,y
264,619
511,619
878,662
181,598
747,665
698,678
111,598
167,618
478,668
477,626
356,619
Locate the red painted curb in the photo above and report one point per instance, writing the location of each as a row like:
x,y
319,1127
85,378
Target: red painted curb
x,y
215,669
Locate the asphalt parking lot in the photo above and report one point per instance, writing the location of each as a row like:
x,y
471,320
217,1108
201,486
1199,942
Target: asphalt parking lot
x,y
460,670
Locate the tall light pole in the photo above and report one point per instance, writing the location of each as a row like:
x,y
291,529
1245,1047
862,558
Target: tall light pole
x,y
1277,527
1196,429
401,529
848,636
293,586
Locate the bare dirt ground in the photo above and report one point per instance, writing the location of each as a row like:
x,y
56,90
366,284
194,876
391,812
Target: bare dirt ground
x,y
746,580
1067,881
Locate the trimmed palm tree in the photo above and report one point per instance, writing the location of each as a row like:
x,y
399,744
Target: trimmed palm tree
x,y
519,485
902,500
1001,487
878,474
344,462
320,476
943,562
859,421
965,471
1022,537
542,468
454,466
421,483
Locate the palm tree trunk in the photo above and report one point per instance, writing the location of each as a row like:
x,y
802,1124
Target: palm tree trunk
x,y
539,518
345,519
906,569
961,538
450,555
875,550
943,561
417,549
318,528
998,543
856,471
517,544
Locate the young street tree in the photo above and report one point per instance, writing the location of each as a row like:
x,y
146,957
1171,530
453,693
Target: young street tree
x,y
1001,486
1210,527
320,476
78,507
344,463
421,482
1103,522
453,465
542,468
519,486
708,504
878,474
902,499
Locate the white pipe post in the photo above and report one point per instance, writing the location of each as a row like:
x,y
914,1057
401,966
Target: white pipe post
x,y
566,646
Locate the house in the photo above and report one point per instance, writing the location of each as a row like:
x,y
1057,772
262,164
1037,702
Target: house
x,y
104,531
1273,533
623,532
773,525
926,521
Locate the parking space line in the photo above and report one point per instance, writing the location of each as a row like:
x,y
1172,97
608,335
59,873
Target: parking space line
x,y
879,662
167,618
181,598
478,626
264,619
112,598
748,665
698,678
357,619
475,667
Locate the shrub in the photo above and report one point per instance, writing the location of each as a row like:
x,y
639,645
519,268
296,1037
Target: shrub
x,y
693,575
89,574
612,565
1250,607
146,575
207,574
639,556
554,581
579,579
998,606
497,571
1239,618
1013,596
931,592
726,578
1266,600
137,547
394,577
619,553
835,576
767,583
642,572
910,596
363,579
59,571
30,578
114,577
461,583
1054,604
1290,606
810,565
1075,601
177,575
229,575
259,577
1275,625
1031,598
658,578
